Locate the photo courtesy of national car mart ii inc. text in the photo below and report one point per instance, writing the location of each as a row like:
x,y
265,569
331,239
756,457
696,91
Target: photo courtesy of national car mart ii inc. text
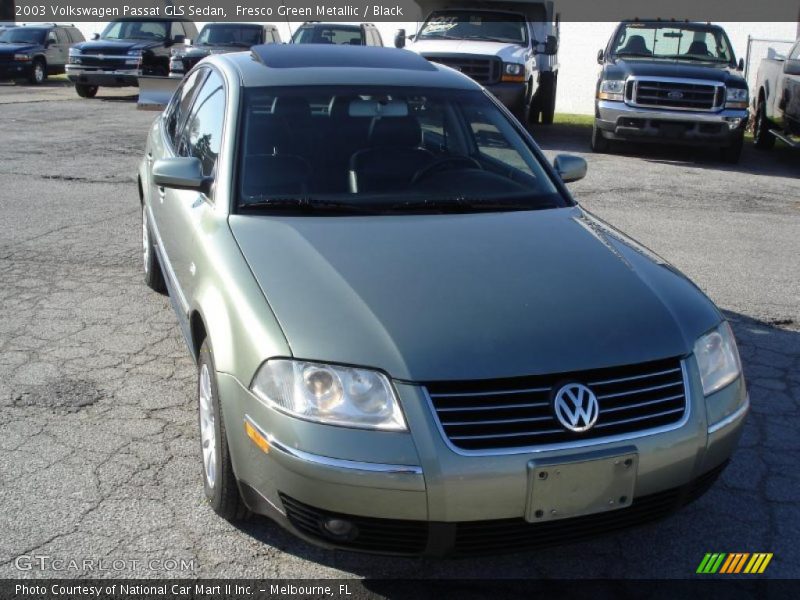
x,y
399,299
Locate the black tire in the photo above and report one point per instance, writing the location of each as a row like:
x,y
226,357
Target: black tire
x,y
38,73
153,276
547,92
762,138
86,91
600,144
733,152
222,492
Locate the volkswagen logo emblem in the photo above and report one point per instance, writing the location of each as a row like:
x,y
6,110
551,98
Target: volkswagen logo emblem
x,y
575,406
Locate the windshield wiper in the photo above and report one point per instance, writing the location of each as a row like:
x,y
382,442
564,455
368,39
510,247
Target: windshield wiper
x,y
466,204
306,204
645,54
488,38
694,58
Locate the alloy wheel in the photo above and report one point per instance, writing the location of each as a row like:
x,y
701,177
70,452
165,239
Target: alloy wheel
x,y
207,426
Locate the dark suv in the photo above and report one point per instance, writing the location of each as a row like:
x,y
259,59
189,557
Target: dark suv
x,y
126,49
218,38
313,32
35,51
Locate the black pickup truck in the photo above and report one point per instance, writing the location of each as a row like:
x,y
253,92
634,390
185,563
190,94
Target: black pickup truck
x,y
126,49
672,82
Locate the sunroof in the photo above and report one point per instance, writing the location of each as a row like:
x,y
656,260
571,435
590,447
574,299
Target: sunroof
x,y
295,56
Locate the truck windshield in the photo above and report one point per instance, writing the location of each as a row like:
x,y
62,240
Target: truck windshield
x,y
328,34
229,35
690,42
475,25
361,148
136,30
23,35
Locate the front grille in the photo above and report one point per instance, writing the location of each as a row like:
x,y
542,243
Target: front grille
x,y
107,64
514,535
484,70
514,413
676,95
190,61
391,536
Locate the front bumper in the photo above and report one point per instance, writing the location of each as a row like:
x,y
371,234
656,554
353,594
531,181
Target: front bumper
x,y
411,493
15,69
511,95
102,77
619,121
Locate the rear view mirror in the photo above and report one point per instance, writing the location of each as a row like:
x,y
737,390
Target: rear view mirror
x,y
400,38
740,66
600,56
378,108
179,39
95,36
570,168
181,173
551,45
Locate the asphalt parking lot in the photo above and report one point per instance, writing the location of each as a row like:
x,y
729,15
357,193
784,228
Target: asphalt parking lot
x,y
98,428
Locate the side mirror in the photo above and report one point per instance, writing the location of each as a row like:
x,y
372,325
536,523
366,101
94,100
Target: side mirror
x,y
187,41
569,167
179,39
600,56
51,39
181,173
95,36
740,66
400,38
551,45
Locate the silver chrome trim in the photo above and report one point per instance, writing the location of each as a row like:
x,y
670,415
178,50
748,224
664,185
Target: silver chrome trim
x,y
568,445
679,80
327,461
731,418
499,393
611,111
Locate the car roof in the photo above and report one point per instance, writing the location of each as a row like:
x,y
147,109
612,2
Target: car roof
x,y
331,64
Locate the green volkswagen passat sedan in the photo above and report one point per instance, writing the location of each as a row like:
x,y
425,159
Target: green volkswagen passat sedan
x,y
409,337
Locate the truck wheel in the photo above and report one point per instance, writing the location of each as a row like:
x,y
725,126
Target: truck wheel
x,y
153,276
548,97
86,91
599,143
731,154
762,138
219,481
38,71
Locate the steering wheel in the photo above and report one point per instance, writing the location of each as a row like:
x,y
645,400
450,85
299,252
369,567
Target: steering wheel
x,y
444,164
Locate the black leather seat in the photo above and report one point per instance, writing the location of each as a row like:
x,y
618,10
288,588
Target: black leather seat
x,y
635,45
698,48
393,157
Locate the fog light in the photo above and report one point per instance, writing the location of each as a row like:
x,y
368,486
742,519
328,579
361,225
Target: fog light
x,y
339,528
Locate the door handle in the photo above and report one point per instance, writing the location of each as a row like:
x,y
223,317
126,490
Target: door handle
x,y
150,157
162,193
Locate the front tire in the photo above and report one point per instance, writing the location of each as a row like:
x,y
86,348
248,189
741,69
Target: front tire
x,y
153,276
219,482
599,143
38,72
732,153
548,95
762,138
86,91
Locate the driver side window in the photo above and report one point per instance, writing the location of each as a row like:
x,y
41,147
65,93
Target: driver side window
x,y
176,113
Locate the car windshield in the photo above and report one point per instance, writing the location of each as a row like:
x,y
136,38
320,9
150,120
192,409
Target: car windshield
x,y
692,43
23,35
136,30
329,34
387,150
475,25
229,35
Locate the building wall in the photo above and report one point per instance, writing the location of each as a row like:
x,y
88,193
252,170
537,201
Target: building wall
x,y
578,52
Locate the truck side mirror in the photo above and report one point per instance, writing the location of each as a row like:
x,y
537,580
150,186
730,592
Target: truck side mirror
x,y
179,39
551,45
400,38
600,56
740,66
95,36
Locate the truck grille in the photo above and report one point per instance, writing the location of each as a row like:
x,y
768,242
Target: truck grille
x,y
483,69
675,95
106,63
518,412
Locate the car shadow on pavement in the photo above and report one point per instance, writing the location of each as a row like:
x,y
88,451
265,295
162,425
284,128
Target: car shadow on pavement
x,y
754,506
779,162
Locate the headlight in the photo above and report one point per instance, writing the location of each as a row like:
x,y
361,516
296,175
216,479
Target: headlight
x,y
611,89
134,58
736,97
74,52
329,394
717,358
22,57
134,52
513,72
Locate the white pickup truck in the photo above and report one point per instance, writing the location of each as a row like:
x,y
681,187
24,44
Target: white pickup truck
x,y
776,102
509,47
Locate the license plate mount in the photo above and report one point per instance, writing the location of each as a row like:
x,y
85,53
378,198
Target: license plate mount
x,y
589,484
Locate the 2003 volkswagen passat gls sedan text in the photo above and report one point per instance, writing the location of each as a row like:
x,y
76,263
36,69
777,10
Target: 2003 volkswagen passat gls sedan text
x,y
410,339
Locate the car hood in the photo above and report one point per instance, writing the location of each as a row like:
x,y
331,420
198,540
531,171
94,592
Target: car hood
x,y
115,46
14,48
470,296
507,52
723,73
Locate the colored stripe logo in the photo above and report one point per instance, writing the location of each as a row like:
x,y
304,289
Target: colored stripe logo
x,y
734,562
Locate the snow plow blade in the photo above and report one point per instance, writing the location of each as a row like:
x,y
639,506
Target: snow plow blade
x,y
155,92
